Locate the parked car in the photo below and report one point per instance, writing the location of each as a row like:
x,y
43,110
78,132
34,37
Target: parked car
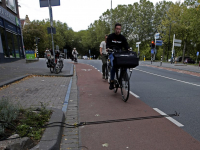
x,y
85,57
189,60
179,58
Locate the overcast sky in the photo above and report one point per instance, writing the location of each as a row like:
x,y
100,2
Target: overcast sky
x,y
78,14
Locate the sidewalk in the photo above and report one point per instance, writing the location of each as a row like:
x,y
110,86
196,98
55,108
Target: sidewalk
x,y
30,91
20,68
179,66
98,103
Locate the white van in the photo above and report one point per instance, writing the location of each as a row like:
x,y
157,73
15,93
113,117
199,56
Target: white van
x,y
85,57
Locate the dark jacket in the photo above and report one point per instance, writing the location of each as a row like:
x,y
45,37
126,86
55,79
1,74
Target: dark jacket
x,y
116,42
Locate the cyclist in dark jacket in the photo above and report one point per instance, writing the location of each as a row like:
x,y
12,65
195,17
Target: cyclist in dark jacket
x,y
115,41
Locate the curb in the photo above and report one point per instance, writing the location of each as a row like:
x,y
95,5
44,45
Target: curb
x,y
72,70
13,80
52,136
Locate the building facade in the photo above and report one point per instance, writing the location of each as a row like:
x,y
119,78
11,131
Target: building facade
x,y
11,41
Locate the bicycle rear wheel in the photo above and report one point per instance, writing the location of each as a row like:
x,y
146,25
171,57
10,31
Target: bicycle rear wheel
x,y
125,86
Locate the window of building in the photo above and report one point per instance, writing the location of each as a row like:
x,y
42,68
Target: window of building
x,y
20,46
11,4
16,46
5,51
10,45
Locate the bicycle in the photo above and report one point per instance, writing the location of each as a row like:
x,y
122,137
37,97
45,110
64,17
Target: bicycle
x,y
54,66
75,58
122,78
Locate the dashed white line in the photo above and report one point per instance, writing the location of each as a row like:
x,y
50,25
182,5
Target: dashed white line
x,y
169,118
134,94
168,78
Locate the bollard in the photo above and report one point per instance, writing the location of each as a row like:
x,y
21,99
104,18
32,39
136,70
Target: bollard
x,y
144,58
161,61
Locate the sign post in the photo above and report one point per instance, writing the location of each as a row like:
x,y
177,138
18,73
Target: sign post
x,y
197,56
176,42
49,3
138,45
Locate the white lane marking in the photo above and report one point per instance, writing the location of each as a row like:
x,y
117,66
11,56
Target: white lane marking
x,y
168,78
99,70
134,94
169,118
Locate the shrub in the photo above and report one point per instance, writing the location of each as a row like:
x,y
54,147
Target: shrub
x,y
8,113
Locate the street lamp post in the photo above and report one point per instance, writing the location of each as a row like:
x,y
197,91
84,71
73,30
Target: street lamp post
x,y
169,41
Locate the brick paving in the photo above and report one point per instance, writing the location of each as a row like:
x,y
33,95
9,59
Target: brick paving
x,y
33,90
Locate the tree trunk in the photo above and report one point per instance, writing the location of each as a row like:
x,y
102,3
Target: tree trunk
x,y
184,51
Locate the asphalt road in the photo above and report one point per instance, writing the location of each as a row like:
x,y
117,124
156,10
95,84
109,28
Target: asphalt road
x,y
168,91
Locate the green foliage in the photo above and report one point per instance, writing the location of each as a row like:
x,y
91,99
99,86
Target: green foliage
x,y
31,124
25,122
140,21
8,113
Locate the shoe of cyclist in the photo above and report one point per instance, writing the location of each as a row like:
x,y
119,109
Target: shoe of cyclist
x,y
111,87
103,77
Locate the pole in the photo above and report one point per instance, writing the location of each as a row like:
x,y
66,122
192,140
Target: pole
x,y
173,49
169,41
161,61
111,18
51,23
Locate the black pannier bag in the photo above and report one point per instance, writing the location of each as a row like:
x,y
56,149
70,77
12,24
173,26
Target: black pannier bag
x,y
127,59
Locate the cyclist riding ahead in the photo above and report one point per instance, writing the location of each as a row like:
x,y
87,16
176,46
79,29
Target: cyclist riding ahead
x,y
104,58
115,41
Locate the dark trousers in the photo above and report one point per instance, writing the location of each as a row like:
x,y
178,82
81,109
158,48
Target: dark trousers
x,y
104,58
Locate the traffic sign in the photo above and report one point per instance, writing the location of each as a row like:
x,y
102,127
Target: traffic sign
x,y
197,53
157,36
177,44
177,41
44,3
159,42
138,43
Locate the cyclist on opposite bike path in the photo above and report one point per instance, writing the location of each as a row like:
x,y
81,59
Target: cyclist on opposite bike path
x,y
115,41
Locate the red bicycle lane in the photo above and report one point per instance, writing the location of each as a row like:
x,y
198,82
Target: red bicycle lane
x,y
98,103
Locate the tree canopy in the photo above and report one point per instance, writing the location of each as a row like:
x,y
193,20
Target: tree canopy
x,y
140,21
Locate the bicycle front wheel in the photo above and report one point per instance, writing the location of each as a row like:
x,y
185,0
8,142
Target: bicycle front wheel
x,y
125,87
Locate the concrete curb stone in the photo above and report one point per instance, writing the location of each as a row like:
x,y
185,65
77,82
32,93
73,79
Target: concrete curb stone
x,y
52,136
